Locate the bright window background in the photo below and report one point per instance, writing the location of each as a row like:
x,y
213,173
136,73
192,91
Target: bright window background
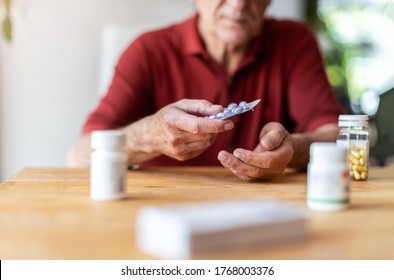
x,y
358,41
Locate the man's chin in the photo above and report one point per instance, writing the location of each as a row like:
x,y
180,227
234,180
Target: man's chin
x,y
234,37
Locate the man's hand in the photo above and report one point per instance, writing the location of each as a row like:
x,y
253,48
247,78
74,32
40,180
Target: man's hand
x,y
268,160
179,131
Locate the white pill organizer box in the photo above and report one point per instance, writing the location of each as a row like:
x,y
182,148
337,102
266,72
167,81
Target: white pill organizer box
x,y
184,230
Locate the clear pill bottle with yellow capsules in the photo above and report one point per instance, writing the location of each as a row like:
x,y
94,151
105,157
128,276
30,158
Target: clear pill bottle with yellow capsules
x,y
108,165
327,177
354,135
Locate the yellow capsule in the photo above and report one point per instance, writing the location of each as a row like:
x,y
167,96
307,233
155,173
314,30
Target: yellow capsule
x,y
357,175
359,168
363,175
355,154
362,161
353,160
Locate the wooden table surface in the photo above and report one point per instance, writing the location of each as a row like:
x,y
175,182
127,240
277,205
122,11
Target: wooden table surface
x,y
47,213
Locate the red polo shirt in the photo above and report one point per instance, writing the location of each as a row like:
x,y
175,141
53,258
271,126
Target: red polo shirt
x,y
284,69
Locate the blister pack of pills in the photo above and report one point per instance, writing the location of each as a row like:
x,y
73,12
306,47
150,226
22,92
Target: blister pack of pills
x,y
234,109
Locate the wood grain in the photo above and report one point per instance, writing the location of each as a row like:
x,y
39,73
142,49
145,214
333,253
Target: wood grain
x,y
46,213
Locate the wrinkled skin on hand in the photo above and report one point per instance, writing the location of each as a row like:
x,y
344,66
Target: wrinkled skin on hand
x,y
267,161
179,131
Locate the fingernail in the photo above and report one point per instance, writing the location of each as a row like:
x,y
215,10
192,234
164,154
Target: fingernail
x,y
229,126
223,157
267,142
216,107
237,153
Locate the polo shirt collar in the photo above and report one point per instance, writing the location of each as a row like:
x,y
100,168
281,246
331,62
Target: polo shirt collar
x,y
192,43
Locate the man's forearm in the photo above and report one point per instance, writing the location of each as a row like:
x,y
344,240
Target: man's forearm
x,y
79,154
137,146
302,141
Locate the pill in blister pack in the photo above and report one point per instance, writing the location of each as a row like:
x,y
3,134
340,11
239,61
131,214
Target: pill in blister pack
x,y
234,109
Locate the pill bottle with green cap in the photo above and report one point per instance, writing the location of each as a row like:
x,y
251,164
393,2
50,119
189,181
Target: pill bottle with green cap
x,y
354,135
108,165
327,177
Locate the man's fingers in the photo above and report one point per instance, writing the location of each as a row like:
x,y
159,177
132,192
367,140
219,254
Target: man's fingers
x,y
272,136
198,107
272,140
189,150
193,124
254,164
184,138
266,159
242,170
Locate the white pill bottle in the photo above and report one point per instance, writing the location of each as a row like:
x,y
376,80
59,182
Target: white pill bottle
x,y
108,165
328,181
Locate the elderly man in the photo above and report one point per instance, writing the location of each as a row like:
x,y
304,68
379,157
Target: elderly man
x,y
167,80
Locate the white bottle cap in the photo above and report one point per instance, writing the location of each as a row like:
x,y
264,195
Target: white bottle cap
x,y
109,139
328,151
353,120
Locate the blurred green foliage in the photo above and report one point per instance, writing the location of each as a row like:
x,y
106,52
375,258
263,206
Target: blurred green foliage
x,y
6,22
357,44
